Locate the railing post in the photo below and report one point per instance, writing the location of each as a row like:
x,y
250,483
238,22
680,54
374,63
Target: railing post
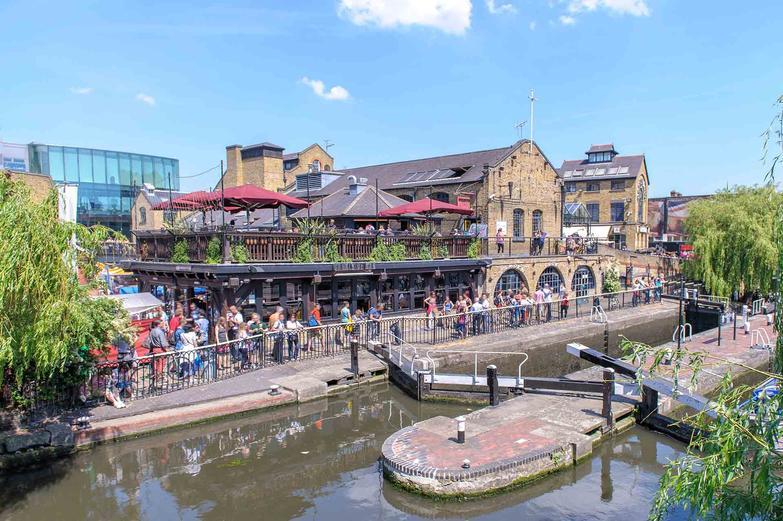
x,y
492,383
607,397
420,385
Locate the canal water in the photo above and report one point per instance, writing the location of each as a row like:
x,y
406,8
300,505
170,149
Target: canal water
x,y
316,461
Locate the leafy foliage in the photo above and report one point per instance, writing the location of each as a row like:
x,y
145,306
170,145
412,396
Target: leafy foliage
x,y
397,252
310,226
731,468
179,253
442,252
49,324
239,253
611,279
379,252
474,249
332,253
214,251
425,252
422,230
733,239
304,252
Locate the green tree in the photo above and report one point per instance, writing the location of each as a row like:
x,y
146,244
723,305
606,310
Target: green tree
x,y
179,254
50,326
733,239
611,279
214,251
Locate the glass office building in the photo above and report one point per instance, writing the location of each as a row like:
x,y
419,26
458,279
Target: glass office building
x,y
108,180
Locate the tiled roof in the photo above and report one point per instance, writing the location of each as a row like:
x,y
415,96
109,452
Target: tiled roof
x,y
287,157
265,144
609,147
431,171
618,168
342,204
160,196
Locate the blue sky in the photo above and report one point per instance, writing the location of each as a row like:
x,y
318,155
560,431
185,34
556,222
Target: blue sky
x,y
689,83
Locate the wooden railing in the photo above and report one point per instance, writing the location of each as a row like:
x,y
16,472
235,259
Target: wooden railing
x,y
285,247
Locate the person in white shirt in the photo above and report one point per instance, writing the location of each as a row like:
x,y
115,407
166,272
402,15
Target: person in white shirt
x,y
548,301
293,327
278,335
477,309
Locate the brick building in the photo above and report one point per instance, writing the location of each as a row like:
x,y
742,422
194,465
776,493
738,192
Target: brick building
x,y
266,165
614,189
515,187
143,217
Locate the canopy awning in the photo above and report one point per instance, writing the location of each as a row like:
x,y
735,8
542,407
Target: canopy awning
x,y
137,302
426,206
597,231
243,198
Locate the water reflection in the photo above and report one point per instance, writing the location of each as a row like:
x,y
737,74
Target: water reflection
x,y
316,460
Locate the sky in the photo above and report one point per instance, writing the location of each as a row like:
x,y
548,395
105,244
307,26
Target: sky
x,y
689,83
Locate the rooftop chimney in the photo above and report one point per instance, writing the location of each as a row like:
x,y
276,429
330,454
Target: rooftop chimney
x,y
356,186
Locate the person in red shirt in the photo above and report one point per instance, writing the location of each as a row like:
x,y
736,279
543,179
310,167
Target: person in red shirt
x,y
313,322
175,321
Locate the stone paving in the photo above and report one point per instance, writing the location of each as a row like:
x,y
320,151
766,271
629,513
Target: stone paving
x,y
534,434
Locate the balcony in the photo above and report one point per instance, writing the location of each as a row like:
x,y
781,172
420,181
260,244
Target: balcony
x,y
285,247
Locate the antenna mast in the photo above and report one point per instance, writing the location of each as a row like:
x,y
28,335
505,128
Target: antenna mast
x,y
532,98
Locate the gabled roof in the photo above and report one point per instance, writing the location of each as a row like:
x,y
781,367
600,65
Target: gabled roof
x,y
608,147
620,167
343,204
160,196
465,167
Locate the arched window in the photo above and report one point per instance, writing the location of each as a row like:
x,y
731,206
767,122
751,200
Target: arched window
x,y
406,197
316,165
511,279
440,196
640,198
552,277
142,216
517,222
538,221
327,167
583,281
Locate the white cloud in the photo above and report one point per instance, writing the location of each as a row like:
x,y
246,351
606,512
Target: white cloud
x,y
449,16
146,98
83,91
493,8
335,93
532,25
567,20
630,7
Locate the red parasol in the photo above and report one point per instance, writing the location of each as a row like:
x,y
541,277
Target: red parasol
x,y
426,206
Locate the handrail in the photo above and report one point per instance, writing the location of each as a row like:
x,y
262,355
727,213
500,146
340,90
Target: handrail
x,y
683,330
598,311
759,339
475,354
757,306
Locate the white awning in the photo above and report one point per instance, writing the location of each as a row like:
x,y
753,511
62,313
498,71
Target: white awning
x,y
600,232
138,302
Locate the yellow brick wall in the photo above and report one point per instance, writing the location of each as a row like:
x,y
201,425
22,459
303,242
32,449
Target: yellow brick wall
x,y
306,157
40,184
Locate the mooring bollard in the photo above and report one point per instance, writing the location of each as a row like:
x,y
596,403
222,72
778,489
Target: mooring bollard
x,y
607,396
492,383
769,319
746,326
355,359
274,390
460,429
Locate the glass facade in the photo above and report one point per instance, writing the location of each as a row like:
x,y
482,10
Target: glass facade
x,y
108,180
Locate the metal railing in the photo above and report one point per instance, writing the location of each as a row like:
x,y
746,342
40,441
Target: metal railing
x,y
683,331
476,354
142,375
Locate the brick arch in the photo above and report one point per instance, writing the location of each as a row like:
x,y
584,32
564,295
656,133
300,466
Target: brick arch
x,y
583,281
547,276
511,273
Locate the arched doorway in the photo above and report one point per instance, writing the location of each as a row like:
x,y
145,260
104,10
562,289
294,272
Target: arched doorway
x,y
511,279
552,277
583,282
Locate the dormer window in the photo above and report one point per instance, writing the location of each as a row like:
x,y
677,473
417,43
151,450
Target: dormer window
x,y
599,157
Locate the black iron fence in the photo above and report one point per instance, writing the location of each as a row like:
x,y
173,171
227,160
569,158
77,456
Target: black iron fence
x,y
143,375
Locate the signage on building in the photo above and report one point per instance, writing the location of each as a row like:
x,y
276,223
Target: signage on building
x,y
14,157
68,202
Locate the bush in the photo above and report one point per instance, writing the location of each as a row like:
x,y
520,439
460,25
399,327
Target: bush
x,y
611,279
397,252
474,249
214,251
180,252
442,252
239,253
304,252
380,252
332,253
425,252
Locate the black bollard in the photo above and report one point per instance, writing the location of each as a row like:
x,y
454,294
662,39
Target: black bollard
x,y
461,430
355,359
607,397
492,383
